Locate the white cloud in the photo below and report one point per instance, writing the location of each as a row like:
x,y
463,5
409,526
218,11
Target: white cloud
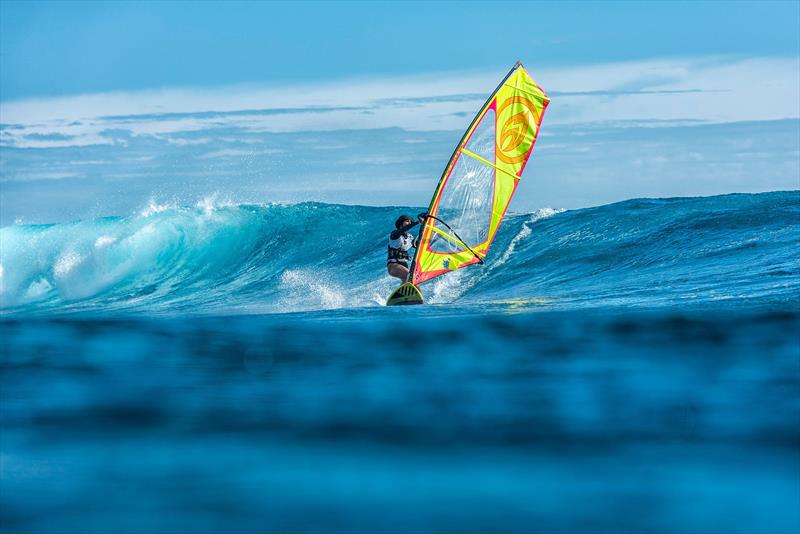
x,y
707,89
185,142
237,153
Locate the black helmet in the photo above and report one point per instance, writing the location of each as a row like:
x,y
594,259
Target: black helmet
x,y
402,221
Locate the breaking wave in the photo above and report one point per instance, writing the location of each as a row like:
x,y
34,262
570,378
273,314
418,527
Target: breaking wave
x,y
213,257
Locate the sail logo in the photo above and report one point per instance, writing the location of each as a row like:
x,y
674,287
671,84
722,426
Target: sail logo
x,y
517,115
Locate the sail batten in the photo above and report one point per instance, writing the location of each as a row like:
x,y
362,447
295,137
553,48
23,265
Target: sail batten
x,y
480,178
487,162
522,90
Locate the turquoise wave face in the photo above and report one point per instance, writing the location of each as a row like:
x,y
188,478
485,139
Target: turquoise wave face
x,y
285,258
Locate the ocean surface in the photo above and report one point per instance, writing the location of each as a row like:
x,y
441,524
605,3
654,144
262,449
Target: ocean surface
x,y
231,368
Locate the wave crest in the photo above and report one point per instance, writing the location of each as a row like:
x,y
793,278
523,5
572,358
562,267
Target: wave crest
x,y
219,256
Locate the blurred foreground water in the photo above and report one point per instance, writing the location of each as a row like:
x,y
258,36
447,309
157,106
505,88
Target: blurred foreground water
x,y
506,417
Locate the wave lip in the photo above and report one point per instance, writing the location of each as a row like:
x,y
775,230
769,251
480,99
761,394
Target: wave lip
x,y
278,258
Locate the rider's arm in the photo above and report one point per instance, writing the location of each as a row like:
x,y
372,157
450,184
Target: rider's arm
x,y
420,220
397,233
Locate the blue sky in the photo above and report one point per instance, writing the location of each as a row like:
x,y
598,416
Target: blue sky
x,y
54,48
107,107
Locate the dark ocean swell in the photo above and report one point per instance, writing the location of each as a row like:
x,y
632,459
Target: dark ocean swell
x,y
284,258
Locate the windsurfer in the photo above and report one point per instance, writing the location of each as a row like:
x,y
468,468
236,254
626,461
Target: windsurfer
x,y
400,242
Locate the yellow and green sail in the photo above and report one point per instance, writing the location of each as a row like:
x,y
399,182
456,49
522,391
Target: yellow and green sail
x,y
479,180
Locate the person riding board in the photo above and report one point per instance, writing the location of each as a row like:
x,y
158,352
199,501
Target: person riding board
x,y
400,242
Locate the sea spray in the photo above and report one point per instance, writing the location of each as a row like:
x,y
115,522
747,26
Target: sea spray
x,y
218,257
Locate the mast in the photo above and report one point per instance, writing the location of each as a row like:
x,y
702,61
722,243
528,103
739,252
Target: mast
x,y
450,163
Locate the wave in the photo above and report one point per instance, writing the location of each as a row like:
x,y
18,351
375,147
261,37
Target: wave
x,y
213,258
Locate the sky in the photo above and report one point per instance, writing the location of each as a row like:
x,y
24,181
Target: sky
x,y
114,105
57,48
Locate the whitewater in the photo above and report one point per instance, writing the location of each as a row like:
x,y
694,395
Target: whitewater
x,y
223,258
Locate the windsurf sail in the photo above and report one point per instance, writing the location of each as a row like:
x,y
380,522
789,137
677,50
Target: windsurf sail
x,y
478,182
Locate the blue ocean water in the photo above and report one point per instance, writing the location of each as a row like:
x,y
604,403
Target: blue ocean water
x,y
231,368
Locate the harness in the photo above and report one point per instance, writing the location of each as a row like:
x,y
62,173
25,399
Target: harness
x,y
398,255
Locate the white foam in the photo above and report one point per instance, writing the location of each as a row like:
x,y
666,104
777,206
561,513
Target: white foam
x,y
145,230
525,232
455,284
153,207
544,213
104,241
379,288
38,289
66,263
210,203
449,287
328,296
